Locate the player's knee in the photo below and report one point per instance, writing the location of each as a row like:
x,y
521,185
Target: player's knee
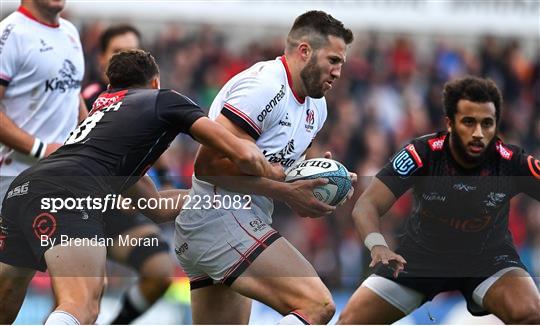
x,y
159,284
329,310
525,313
320,306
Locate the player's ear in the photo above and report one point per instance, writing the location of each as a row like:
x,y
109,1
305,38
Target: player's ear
x,y
448,124
305,51
154,83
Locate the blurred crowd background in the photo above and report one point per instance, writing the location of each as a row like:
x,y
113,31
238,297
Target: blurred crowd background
x,y
389,92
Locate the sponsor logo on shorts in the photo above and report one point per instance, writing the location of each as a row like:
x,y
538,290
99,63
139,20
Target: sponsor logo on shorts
x,y
257,225
19,190
181,249
44,225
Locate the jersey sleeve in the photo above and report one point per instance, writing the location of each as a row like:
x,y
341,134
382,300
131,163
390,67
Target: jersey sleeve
x,y
10,53
400,173
528,168
177,110
250,104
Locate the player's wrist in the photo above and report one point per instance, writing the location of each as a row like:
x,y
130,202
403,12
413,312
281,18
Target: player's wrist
x,y
374,239
38,149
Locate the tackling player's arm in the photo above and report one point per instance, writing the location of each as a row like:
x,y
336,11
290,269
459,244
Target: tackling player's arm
x,y
369,208
245,154
146,189
14,137
214,167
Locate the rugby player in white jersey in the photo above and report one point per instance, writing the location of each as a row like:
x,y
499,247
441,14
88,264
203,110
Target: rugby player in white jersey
x,y
40,80
231,254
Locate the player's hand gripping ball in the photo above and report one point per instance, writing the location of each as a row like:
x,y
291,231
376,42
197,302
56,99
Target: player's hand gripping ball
x,y
339,182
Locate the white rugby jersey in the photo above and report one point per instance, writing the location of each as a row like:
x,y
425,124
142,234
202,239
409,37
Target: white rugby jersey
x,y
261,101
42,67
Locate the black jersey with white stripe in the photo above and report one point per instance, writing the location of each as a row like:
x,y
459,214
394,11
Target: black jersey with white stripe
x,y
459,210
125,133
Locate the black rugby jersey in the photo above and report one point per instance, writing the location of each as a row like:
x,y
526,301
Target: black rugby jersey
x,y
459,210
125,133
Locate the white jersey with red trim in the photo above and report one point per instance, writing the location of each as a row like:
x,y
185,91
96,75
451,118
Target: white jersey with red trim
x,y
261,101
42,68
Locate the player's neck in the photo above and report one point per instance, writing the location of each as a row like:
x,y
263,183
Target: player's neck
x,y
297,82
43,16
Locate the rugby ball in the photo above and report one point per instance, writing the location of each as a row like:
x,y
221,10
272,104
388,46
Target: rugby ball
x,y
339,183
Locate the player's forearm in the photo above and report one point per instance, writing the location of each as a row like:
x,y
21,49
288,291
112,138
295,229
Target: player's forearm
x,y
225,174
14,137
366,217
170,202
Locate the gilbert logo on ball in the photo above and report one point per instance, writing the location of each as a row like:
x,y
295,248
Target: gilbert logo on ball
x,y
339,182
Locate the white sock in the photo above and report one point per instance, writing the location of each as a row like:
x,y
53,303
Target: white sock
x,y
293,319
59,317
137,299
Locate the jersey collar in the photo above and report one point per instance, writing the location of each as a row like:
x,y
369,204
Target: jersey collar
x,y
28,14
289,80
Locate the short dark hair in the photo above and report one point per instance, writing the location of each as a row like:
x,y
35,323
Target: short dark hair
x,y
131,68
114,31
474,89
315,26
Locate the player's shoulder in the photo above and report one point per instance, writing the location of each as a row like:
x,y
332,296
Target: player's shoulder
x,y
433,142
64,23
265,75
508,152
12,26
426,145
170,96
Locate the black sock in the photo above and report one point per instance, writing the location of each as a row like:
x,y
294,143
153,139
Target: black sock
x,y
128,312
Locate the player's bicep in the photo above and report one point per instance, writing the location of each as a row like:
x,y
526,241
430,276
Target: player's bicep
x,y
222,139
379,195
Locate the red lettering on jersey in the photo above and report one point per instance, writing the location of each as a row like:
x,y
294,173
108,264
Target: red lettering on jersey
x,y
534,166
505,152
436,144
410,148
107,99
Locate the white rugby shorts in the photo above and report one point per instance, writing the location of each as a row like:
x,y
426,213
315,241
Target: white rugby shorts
x,y
220,248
